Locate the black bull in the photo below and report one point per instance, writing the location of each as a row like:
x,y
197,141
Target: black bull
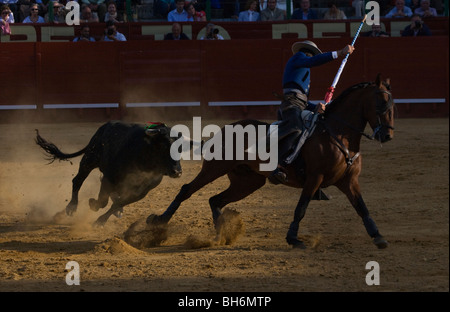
x,y
132,158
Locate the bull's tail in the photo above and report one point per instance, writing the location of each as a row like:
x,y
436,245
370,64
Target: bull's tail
x,y
54,152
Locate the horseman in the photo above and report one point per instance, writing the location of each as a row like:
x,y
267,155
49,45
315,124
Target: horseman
x,y
296,86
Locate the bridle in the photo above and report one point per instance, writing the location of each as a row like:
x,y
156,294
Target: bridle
x,y
381,108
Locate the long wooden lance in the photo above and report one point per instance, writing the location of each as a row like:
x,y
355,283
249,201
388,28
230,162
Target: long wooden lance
x,y
330,90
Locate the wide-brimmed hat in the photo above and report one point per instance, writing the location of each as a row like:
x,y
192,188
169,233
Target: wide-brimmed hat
x,y
308,45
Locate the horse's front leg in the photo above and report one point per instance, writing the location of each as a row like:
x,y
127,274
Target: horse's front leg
x,y
299,213
308,191
353,193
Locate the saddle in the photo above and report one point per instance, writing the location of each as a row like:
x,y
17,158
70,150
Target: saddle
x,y
309,119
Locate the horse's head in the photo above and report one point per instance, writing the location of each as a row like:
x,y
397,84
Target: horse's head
x,y
380,111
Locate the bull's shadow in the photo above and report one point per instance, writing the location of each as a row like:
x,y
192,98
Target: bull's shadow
x,y
133,158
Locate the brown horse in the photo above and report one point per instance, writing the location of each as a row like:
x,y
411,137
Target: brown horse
x,y
331,156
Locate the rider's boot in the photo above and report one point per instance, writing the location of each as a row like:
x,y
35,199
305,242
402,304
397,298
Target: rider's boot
x,y
279,175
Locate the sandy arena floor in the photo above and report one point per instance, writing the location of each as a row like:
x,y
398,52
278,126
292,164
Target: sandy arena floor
x,y
405,185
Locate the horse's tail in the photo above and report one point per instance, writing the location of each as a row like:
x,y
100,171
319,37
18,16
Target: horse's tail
x,y
53,151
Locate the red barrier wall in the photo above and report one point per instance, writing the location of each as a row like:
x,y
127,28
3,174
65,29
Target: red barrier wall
x,y
229,30
206,78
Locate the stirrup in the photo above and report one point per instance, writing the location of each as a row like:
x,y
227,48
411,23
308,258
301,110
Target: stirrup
x,y
278,176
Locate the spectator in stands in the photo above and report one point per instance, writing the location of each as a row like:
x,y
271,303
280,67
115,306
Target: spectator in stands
x,y
304,12
23,10
6,18
179,14
400,10
57,14
43,6
112,14
262,4
97,6
358,5
425,10
333,13
87,16
176,33
416,28
111,33
13,6
212,33
34,16
415,4
193,14
250,14
375,32
84,35
282,5
163,7
272,13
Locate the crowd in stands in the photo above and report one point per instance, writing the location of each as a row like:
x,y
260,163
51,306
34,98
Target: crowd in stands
x,y
252,10
112,12
54,11
23,11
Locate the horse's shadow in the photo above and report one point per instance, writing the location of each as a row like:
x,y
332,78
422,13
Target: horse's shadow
x,y
74,247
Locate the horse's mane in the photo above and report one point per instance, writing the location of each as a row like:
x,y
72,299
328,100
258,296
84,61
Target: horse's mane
x,y
345,93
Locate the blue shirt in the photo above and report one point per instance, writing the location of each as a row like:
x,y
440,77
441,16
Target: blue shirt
x,y
118,36
297,71
28,20
298,14
248,16
408,12
78,39
174,16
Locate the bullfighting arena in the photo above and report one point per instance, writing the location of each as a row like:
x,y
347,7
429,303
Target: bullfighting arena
x,y
405,185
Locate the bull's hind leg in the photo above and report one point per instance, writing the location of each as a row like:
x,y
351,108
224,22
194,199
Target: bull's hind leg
x,y
116,206
210,172
127,196
243,182
105,190
353,193
87,164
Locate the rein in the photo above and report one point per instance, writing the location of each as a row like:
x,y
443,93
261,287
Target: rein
x,y
349,160
380,111
370,137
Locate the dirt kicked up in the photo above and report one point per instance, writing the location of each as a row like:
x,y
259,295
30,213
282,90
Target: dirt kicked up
x,y
404,184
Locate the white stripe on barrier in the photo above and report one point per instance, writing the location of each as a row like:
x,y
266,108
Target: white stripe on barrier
x,y
85,105
262,103
244,103
175,104
17,107
419,100
163,104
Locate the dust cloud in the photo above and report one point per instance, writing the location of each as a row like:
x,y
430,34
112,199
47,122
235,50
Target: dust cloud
x,y
230,227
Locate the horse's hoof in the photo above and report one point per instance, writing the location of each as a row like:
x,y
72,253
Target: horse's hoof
x,y
380,242
118,214
296,244
154,219
70,209
59,217
99,223
93,204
